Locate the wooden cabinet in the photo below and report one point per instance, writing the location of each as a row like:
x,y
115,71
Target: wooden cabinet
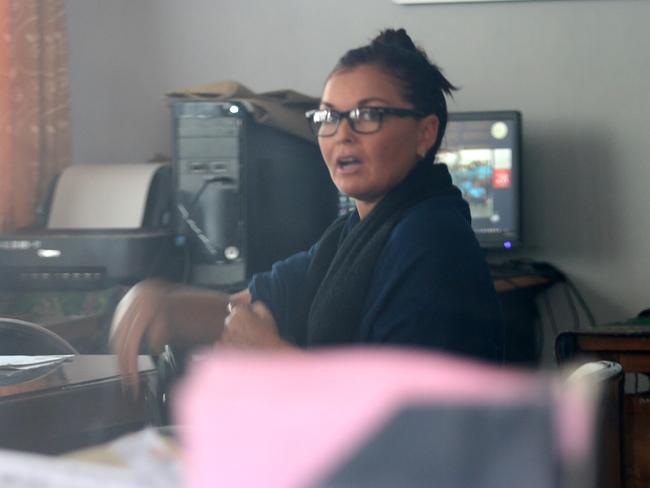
x,y
630,347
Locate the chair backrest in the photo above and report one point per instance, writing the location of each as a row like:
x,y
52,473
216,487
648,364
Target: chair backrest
x,y
609,376
18,337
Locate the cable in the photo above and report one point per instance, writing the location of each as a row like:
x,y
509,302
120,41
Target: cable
x,y
185,213
583,304
559,276
187,263
572,306
551,315
206,182
555,275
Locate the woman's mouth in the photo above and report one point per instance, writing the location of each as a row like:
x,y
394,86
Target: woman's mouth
x,y
347,162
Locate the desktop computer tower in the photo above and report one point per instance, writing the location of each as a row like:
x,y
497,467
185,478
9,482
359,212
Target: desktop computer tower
x,y
247,194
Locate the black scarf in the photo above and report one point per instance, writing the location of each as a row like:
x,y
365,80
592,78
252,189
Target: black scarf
x,y
340,271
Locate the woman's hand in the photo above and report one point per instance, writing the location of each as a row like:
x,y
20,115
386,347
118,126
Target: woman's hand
x,y
141,311
251,326
156,313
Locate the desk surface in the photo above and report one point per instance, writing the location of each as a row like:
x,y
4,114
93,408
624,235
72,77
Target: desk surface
x,y
502,284
626,344
523,274
78,404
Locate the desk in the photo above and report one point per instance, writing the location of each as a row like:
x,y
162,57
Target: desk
x,y
517,294
502,284
79,404
629,346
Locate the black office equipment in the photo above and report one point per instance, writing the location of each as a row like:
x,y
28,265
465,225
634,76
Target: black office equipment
x,y
247,194
79,404
483,153
105,224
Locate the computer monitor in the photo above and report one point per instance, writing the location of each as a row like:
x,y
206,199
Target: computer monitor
x,y
483,153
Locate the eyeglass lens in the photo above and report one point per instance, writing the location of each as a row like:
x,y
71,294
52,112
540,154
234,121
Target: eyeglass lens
x,y
362,120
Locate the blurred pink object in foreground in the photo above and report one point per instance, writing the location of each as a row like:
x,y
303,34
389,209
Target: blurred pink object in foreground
x,y
284,419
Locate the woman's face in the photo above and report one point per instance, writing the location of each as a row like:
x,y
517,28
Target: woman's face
x,y
367,166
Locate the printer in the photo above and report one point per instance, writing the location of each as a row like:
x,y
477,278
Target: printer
x,y
103,224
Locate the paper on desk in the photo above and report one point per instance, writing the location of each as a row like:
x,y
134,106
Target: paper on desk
x,y
22,363
151,457
145,460
24,470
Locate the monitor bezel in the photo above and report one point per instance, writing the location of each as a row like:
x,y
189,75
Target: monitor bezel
x,y
498,240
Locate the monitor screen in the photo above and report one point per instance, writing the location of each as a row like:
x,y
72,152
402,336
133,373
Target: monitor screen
x,y
482,151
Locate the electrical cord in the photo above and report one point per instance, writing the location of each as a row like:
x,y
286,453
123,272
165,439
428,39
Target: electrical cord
x,y
206,183
571,293
186,215
523,266
572,306
583,304
551,315
187,263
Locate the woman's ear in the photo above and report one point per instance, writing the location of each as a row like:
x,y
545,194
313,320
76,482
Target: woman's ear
x,y
428,134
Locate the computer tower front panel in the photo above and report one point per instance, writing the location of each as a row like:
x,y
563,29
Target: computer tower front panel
x,y
248,194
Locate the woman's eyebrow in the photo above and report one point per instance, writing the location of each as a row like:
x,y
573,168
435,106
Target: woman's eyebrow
x,y
365,101
360,103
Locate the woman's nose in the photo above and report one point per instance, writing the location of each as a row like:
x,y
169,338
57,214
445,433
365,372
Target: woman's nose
x,y
345,131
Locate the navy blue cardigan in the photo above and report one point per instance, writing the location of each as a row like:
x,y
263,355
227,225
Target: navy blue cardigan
x,y
431,286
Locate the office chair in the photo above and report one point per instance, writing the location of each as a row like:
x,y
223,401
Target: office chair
x,y
609,377
18,337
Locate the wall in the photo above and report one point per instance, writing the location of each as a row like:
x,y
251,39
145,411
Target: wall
x,y
577,69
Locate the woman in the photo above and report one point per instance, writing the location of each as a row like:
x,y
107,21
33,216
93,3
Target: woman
x,y
405,268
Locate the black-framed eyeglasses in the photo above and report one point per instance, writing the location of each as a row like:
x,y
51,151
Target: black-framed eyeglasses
x,y
363,120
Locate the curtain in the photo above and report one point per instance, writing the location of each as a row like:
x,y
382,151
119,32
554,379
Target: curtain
x,y
34,115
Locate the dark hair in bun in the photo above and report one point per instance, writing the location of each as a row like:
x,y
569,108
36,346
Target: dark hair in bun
x,y
422,82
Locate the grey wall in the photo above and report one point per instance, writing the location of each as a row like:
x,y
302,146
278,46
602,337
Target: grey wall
x,y
577,69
